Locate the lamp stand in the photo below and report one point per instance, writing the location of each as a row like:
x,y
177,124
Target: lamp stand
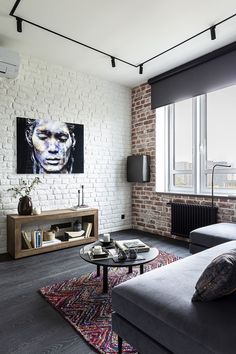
x,y
212,183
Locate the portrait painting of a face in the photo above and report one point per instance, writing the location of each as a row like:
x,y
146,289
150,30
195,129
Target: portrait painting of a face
x,y
48,146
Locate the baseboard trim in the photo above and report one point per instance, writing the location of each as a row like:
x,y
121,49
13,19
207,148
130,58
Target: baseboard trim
x,y
119,228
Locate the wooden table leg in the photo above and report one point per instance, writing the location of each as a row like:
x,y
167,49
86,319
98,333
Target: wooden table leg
x,y
130,269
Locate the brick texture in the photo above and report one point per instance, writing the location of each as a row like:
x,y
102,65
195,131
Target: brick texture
x,y
45,90
150,211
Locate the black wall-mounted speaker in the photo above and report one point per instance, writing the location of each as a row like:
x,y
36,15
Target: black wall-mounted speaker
x,y
138,168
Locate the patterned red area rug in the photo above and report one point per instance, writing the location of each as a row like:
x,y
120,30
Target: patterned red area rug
x,y
82,303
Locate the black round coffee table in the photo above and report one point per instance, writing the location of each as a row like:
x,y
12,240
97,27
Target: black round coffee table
x,y
106,263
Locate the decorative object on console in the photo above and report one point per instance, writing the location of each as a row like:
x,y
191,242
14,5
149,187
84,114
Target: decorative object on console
x,y
218,279
47,146
83,205
78,198
80,205
77,226
24,189
50,235
61,228
25,206
74,235
37,210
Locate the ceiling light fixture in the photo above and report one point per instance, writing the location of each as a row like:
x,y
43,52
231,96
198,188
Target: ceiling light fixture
x,y
141,69
113,62
19,24
113,58
213,33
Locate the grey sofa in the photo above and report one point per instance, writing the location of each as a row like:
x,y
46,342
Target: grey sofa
x,y
212,235
154,312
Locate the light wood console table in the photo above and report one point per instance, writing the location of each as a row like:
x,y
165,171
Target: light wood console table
x,y
17,223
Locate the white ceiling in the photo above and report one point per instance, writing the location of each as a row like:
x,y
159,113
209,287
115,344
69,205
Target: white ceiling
x,y
134,30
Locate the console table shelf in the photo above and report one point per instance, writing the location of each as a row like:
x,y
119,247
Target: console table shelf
x,y
16,224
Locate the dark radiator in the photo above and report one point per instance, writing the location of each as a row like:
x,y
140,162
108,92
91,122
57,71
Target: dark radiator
x,y
187,217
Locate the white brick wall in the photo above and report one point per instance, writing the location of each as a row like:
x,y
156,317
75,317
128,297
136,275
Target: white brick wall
x,y
43,90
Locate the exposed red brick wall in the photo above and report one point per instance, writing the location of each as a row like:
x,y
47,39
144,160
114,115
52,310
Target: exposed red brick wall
x,y
149,209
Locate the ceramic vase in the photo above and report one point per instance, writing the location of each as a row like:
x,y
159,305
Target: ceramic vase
x,y
25,206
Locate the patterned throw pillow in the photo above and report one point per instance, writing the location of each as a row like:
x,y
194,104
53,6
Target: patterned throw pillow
x,y
218,279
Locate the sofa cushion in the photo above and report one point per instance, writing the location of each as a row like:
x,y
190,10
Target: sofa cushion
x,y
212,235
193,248
159,303
218,279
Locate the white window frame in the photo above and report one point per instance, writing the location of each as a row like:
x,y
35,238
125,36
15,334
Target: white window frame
x,y
204,171
171,147
199,171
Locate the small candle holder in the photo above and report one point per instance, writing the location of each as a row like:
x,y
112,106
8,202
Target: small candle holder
x,y
106,238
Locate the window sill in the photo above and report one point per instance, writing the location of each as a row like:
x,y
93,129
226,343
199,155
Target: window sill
x,y
198,195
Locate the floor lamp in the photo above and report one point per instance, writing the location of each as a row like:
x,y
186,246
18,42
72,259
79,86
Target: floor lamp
x,y
212,180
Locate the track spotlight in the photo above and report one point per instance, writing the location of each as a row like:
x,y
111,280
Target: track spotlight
x,y
19,24
141,69
113,62
213,32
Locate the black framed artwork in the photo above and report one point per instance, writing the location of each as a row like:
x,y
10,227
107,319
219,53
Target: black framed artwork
x,y
49,146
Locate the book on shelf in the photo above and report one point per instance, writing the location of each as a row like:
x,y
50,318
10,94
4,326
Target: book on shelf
x,y
36,238
25,240
71,239
51,242
87,226
136,244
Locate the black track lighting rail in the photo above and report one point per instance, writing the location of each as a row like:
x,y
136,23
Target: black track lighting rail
x,y
211,29
20,20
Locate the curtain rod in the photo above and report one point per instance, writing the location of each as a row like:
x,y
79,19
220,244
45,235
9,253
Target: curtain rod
x,y
20,20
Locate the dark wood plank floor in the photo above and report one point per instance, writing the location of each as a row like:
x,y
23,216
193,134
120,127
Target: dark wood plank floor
x,y
28,324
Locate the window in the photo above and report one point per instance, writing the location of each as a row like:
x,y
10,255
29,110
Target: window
x,y
191,137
